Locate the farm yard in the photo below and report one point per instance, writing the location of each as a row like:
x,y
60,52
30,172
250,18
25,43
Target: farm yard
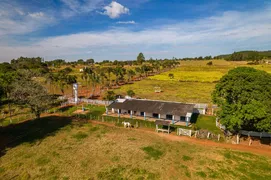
x,y
70,149
193,81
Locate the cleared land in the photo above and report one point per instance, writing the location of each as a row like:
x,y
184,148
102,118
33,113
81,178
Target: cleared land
x,y
64,149
193,81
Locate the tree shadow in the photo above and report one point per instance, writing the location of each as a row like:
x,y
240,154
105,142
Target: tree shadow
x,y
194,118
65,108
30,131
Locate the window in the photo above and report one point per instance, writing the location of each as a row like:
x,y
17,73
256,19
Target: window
x,y
155,115
182,118
169,116
141,113
129,112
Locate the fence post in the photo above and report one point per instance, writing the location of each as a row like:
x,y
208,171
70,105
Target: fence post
x,y
208,135
190,133
102,119
218,137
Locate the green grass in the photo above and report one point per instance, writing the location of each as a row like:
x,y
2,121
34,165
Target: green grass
x,y
186,158
80,135
193,81
208,123
152,152
124,154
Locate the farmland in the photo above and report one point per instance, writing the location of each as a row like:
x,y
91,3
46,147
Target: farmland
x,y
193,81
66,149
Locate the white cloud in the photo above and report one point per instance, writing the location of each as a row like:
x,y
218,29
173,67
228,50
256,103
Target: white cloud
x,y
222,33
77,7
14,20
126,22
114,10
36,15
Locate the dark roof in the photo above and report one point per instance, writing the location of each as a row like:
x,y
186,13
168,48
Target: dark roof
x,y
151,106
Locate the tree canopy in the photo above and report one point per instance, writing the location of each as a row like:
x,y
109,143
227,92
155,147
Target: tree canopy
x,y
31,93
140,58
244,98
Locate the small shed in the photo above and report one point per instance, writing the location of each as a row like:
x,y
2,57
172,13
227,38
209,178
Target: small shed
x,y
162,123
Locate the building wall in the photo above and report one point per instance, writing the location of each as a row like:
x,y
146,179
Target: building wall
x,y
162,116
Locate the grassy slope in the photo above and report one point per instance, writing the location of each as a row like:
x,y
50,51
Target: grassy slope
x,y
100,152
193,81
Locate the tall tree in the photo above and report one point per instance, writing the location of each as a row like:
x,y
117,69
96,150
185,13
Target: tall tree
x,y
31,93
244,98
90,61
110,96
130,74
140,58
130,93
6,79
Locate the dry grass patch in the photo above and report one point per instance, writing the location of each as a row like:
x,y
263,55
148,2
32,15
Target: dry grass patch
x,y
119,153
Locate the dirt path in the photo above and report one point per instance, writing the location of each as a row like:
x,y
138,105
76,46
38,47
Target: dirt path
x,y
262,150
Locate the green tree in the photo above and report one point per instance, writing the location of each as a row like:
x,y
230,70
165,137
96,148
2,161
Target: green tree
x,y
130,74
110,96
130,93
31,93
6,79
244,98
140,58
90,61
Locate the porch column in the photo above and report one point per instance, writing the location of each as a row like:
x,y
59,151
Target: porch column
x,y
144,115
106,109
159,116
119,112
173,119
187,120
131,114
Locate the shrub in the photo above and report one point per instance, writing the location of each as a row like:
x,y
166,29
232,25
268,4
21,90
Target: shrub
x,y
186,158
210,63
80,135
152,152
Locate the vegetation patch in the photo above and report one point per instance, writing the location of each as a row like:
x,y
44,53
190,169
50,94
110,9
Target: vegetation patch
x,y
187,158
152,152
80,135
131,139
2,170
116,173
201,174
42,161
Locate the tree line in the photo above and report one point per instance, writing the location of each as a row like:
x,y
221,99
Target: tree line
x,y
20,79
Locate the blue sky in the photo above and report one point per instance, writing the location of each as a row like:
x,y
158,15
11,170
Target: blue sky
x,y
109,30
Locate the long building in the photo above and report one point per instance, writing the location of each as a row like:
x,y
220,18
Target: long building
x,y
164,110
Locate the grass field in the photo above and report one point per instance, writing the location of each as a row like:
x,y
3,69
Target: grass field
x,y
193,81
68,150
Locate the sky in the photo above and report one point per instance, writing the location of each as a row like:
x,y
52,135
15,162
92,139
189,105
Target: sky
x,y
119,30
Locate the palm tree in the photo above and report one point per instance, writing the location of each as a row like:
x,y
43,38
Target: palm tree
x,y
130,74
50,79
87,73
109,70
119,72
95,79
139,71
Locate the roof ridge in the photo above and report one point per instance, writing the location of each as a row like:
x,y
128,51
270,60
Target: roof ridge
x,y
160,101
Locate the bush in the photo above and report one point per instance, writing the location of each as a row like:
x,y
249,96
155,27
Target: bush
x,y
80,135
210,63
